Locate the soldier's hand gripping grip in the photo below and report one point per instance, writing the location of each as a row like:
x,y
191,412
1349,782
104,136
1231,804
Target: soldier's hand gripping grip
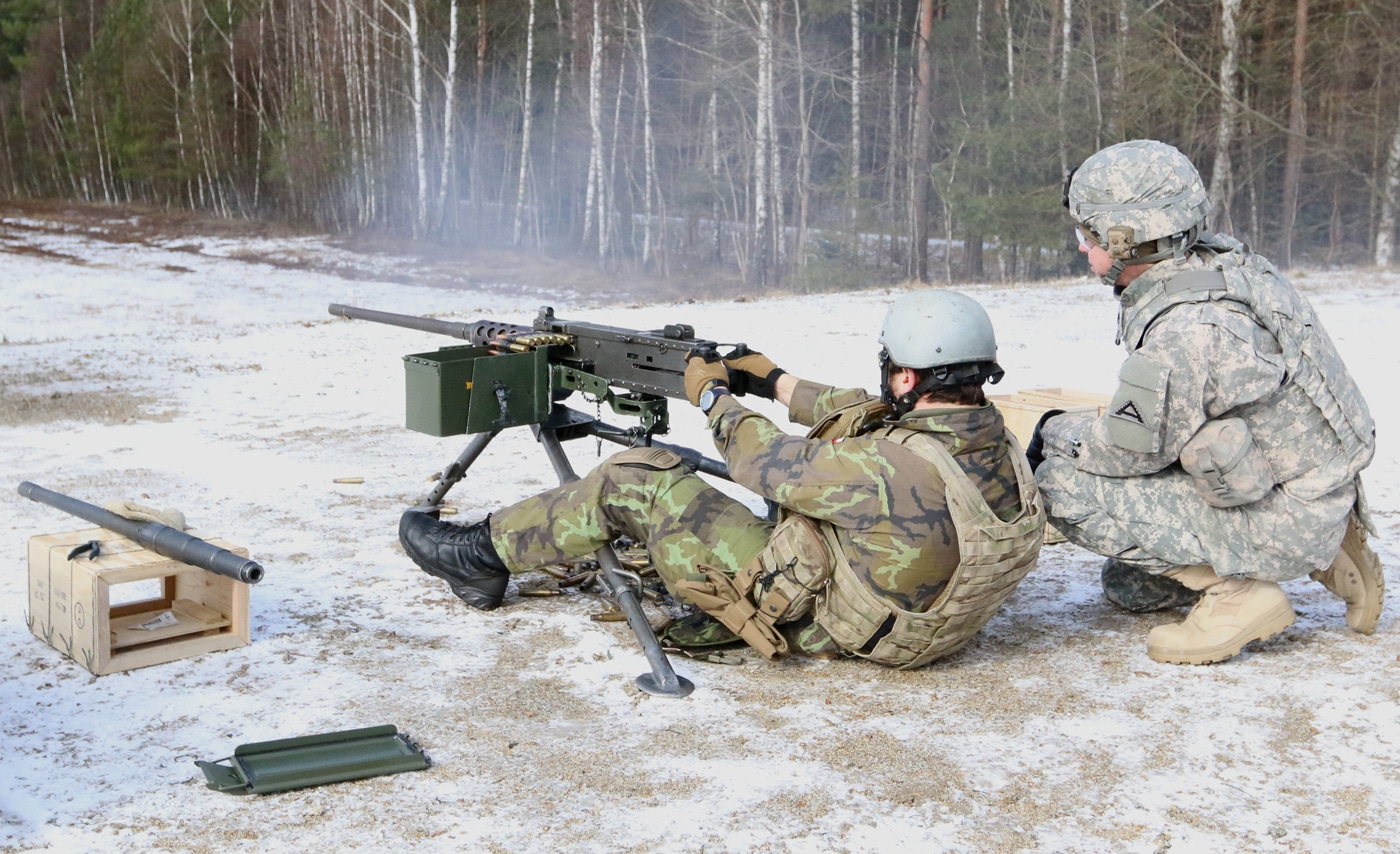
x,y
703,368
756,373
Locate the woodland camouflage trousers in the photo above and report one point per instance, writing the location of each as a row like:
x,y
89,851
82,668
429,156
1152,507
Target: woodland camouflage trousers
x,y
643,493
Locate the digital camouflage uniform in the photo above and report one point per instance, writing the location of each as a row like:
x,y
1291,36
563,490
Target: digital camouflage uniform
x,y
887,503
1217,335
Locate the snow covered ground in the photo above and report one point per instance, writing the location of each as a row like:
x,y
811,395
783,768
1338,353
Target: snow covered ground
x,y
192,375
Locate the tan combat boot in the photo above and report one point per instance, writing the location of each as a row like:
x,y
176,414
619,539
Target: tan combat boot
x,y
1232,612
1356,578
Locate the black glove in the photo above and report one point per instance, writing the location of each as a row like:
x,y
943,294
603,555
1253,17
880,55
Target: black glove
x,y
758,374
1035,451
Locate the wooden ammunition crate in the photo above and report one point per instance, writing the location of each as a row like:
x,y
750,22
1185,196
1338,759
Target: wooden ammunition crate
x,y
194,611
1022,412
1023,409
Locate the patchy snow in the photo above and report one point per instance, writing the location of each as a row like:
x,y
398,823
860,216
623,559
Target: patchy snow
x,y
190,374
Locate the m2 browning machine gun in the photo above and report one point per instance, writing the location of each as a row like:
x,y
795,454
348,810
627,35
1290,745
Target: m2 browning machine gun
x,y
510,375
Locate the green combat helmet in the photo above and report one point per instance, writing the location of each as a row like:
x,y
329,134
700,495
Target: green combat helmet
x,y
1141,201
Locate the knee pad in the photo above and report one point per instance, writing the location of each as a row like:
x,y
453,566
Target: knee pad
x,y
656,459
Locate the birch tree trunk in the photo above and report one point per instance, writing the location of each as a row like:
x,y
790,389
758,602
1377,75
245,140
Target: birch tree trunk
x,y
1112,126
648,153
804,145
526,123
181,105
80,186
1221,175
420,122
607,195
1066,41
595,119
449,120
649,144
1297,129
776,211
479,128
762,252
554,114
1010,53
923,145
1093,52
854,194
892,131
972,241
1390,199
715,208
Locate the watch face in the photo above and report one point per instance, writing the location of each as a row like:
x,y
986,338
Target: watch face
x,y
707,400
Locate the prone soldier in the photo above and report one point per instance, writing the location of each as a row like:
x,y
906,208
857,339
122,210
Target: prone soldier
x,y
904,521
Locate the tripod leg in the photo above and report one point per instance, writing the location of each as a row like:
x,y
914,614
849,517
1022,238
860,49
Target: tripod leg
x,y
662,680
458,469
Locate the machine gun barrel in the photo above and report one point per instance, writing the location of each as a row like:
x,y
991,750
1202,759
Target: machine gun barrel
x,y
481,333
161,539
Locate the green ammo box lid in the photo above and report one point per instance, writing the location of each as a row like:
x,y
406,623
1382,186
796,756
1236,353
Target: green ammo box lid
x,y
314,760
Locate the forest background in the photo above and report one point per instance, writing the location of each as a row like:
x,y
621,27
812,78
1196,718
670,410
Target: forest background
x,y
807,144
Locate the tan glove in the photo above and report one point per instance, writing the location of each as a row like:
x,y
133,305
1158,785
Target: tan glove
x,y
761,374
703,369
141,513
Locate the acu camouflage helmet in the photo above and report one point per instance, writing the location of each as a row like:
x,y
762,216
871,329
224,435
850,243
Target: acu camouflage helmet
x,y
1141,201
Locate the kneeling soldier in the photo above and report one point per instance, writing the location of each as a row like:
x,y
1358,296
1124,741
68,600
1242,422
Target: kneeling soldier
x,y
1229,459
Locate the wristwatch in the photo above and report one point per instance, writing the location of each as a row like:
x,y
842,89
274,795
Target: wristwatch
x,y
710,396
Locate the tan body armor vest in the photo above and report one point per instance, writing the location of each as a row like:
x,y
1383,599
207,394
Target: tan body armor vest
x,y
995,556
804,566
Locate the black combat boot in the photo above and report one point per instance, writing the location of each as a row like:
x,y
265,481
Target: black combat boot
x,y
460,555
1137,590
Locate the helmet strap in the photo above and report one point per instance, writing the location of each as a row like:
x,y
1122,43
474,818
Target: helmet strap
x,y
1180,245
887,393
941,377
1111,277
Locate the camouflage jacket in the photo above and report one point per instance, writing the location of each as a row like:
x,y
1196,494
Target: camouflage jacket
x,y
887,503
1198,351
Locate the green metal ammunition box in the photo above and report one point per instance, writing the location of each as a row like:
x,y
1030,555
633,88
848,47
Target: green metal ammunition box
x,y
459,390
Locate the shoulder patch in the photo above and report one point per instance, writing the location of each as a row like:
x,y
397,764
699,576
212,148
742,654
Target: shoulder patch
x,y
1138,410
1129,411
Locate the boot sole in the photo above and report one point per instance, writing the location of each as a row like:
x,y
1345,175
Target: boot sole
x,y
1266,627
488,599
1362,564
484,595
1364,616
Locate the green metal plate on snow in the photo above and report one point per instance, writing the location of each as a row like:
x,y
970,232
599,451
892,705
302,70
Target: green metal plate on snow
x,y
314,760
